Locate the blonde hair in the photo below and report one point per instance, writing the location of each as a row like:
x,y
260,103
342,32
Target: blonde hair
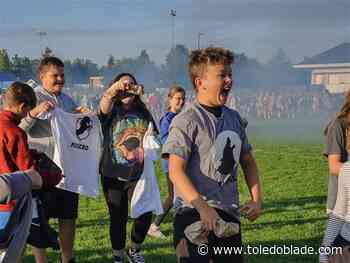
x,y
201,58
172,91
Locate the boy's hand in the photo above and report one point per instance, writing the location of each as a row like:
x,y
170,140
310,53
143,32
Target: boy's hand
x,y
83,110
251,210
208,215
43,107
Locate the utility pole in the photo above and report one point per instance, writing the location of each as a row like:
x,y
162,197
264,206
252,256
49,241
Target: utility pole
x,y
199,40
41,35
173,15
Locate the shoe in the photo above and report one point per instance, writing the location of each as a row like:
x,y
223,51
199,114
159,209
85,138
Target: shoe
x,y
154,231
117,259
72,260
134,256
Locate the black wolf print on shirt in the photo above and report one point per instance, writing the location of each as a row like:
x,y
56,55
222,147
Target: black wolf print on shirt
x,y
228,160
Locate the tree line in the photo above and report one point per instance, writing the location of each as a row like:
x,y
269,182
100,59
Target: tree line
x,y
248,72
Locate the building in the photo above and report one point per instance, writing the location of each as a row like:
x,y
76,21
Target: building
x,y
330,69
6,79
96,82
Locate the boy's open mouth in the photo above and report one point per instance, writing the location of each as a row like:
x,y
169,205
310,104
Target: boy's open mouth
x,y
225,92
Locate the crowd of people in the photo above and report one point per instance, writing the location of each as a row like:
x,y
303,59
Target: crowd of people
x,y
299,102
203,140
284,104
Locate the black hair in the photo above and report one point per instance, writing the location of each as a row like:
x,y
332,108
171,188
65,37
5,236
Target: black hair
x,y
138,104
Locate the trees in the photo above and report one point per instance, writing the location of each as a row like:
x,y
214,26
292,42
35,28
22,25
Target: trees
x,y
23,67
48,52
146,71
175,68
110,62
279,71
82,69
279,59
248,72
5,64
143,58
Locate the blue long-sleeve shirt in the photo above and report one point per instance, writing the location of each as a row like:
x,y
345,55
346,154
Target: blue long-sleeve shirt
x,y
164,125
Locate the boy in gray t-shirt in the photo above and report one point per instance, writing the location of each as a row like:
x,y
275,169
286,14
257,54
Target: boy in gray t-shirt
x,y
205,145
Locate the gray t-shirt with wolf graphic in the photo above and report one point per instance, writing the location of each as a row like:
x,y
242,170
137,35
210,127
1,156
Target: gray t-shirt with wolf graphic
x,y
212,148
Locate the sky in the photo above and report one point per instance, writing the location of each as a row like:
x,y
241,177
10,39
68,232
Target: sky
x,y
95,29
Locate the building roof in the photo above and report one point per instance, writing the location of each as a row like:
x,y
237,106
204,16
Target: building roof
x,y
7,76
338,54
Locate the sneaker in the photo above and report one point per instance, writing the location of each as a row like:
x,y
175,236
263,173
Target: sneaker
x,y
72,260
154,231
134,256
117,259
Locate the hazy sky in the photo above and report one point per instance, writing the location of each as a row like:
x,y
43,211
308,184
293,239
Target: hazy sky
x,y
96,28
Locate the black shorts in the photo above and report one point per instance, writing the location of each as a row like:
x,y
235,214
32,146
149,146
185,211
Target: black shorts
x,y
41,235
189,216
61,204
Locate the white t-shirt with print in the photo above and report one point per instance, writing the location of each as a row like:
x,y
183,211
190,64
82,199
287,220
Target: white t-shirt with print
x,y
78,142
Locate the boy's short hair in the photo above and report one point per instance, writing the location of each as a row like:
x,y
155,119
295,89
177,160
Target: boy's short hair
x,y
201,58
46,62
19,92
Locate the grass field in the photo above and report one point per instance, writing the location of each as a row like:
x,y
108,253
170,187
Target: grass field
x,y
294,179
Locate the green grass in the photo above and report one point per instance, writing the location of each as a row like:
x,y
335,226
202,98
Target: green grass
x,y
294,180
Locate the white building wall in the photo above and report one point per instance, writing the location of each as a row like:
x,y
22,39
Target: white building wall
x,y
336,80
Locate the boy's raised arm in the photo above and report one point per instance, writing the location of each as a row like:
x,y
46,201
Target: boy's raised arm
x,y
28,122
